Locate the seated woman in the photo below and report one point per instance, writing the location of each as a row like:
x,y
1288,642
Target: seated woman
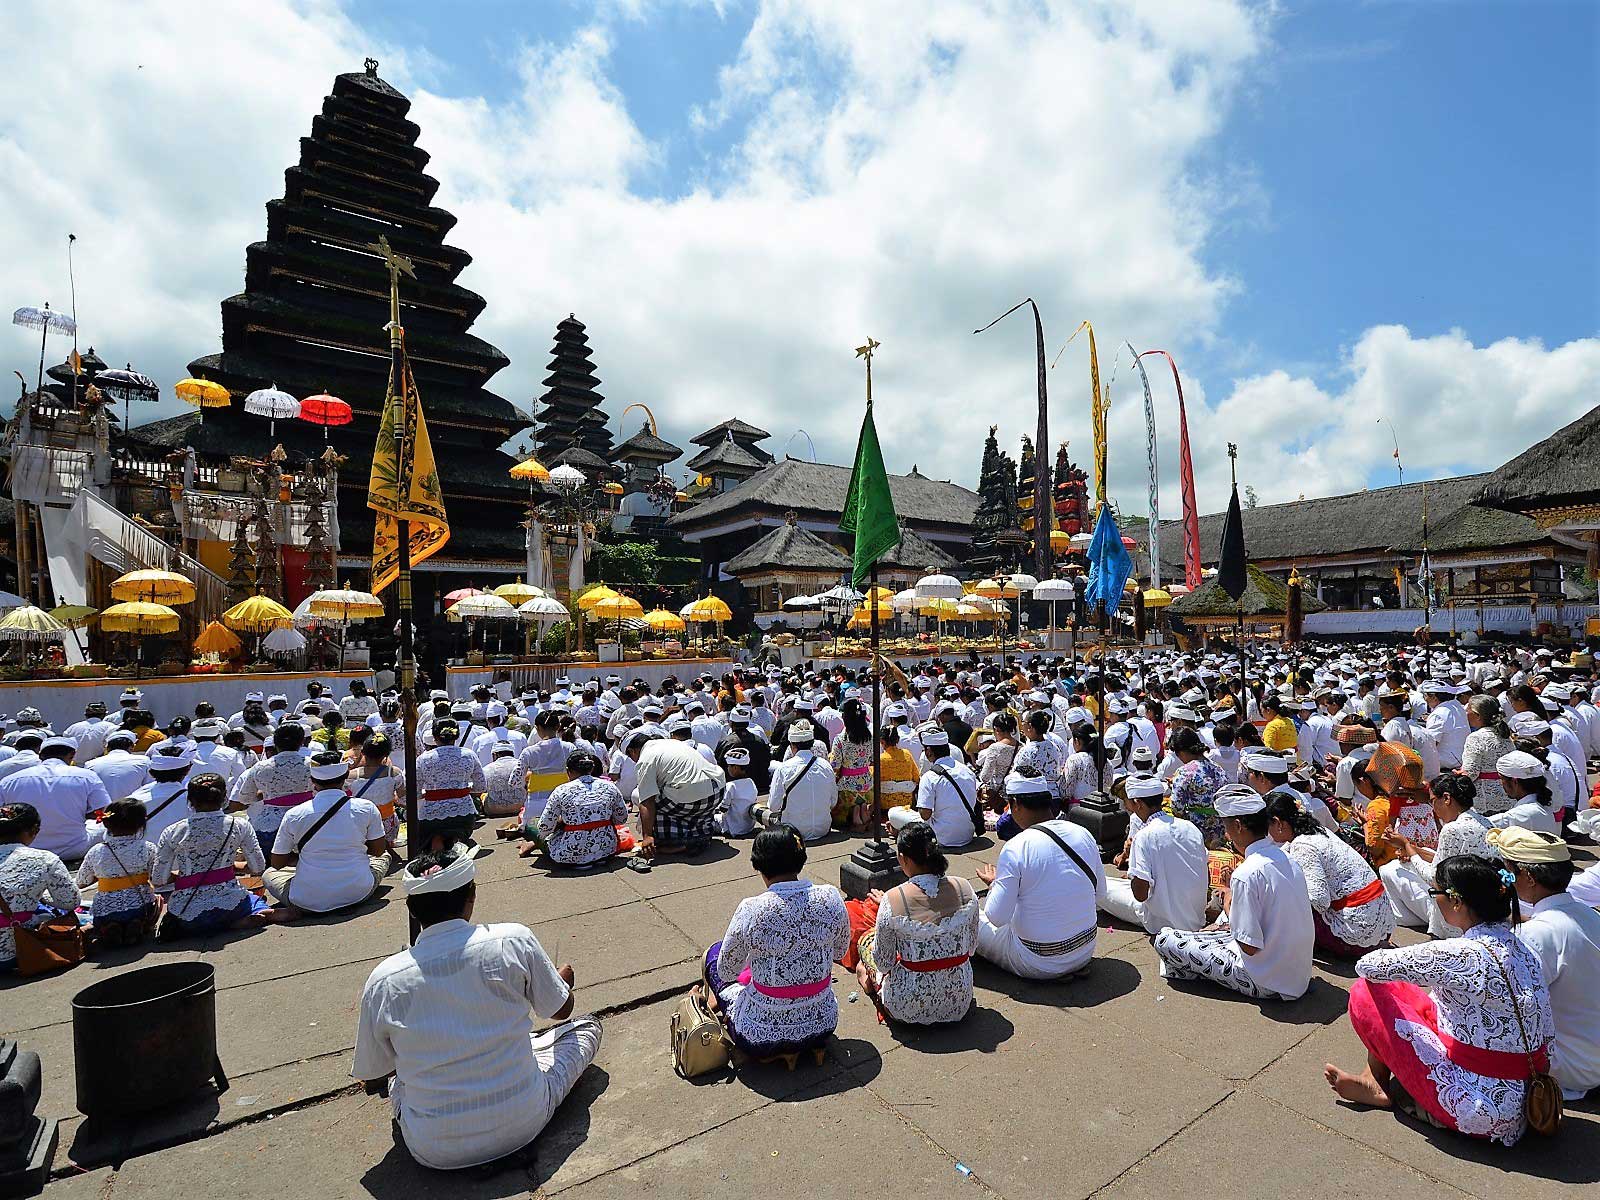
x,y
578,826
200,849
1450,1026
125,907
1527,784
1462,830
1349,911
916,962
771,973
28,878
1397,809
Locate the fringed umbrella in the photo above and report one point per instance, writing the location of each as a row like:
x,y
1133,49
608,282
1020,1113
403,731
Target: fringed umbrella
x,y
30,624
341,606
460,594
217,639
616,608
154,587
325,410
258,614
272,404
74,617
595,595
126,384
47,321
517,593
284,641
203,394
530,470
141,618
662,621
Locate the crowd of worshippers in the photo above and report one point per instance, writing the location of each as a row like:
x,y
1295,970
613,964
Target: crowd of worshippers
x,y
1336,796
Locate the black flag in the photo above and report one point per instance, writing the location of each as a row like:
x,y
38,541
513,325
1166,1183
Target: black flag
x,y
1231,573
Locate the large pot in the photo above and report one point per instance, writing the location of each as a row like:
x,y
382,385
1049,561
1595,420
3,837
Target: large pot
x,y
146,1039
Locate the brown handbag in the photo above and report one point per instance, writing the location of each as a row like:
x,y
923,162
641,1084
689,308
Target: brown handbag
x,y
51,945
1542,1103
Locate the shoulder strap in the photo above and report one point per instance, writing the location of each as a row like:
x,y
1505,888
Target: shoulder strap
x,y
369,781
1070,852
162,807
1516,1009
939,770
321,821
795,782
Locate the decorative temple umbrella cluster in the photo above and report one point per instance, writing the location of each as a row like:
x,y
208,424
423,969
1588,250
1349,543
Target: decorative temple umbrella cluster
x,y
31,626
616,608
126,384
341,606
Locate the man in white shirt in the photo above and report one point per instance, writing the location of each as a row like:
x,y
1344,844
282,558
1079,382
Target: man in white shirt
x,y
804,788
1564,934
217,759
706,730
947,795
330,852
450,1020
1168,871
65,796
166,796
1314,744
1394,710
678,791
90,733
1447,722
1264,949
1039,919
122,771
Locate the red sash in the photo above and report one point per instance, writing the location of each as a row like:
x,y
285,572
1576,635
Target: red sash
x,y
605,824
16,918
934,964
433,794
1494,1064
288,801
1360,896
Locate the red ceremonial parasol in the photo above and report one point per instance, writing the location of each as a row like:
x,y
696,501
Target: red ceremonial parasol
x,y
325,410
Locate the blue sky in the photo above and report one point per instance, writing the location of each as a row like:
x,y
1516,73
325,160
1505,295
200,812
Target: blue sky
x,y
1331,211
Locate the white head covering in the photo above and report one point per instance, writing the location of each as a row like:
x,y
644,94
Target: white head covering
x,y
1143,787
1026,785
802,733
169,756
462,871
737,756
932,735
329,772
1238,800
60,743
1267,764
1519,765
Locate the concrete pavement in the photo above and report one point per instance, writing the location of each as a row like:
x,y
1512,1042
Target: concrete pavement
x,y
1118,1085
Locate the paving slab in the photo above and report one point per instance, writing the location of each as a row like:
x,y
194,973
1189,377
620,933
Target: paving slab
x,y
1221,1154
768,1153
1568,1164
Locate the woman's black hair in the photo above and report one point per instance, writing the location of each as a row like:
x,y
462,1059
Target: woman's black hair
x,y
583,762
1488,710
889,735
918,843
856,728
206,787
1187,741
1003,722
778,851
1480,884
1282,805
17,820
1224,732
1085,737
377,746
1040,720
124,817
1454,786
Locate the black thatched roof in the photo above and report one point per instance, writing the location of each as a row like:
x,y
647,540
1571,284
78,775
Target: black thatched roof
x,y
739,429
726,454
912,551
1563,469
1263,596
1381,521
646,445
820,488
790,547
583,460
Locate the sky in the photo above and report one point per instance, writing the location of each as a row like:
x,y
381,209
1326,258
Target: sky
x,y
1342,217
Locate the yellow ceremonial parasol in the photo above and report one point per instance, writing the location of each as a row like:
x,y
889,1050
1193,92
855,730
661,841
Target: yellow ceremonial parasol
x,y
154,587
217,639
203,394
258,614
517,594
864,613
611,489
30,624
139,616
344,604
879,593
1157,598
663,621
74,616
707,610
996,589
530,470
616,608
594,595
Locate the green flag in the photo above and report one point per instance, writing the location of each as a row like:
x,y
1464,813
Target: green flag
x,y
868,506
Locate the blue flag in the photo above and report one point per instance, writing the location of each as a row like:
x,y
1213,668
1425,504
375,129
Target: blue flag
x,y
1109,564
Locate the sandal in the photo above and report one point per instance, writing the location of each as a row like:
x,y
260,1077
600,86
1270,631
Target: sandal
x,y
641,865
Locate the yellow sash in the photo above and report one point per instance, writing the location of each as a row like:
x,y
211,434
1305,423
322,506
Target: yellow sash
x,y
545,781
121,883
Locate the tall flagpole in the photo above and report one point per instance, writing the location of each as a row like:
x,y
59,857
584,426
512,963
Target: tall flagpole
x,y
408,666
1244,674
877,665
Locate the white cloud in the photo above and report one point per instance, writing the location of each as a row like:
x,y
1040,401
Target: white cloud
x,y
902,170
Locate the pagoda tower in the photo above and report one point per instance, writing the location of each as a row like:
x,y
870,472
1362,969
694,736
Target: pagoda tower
x,y
994,524
312,319
570,416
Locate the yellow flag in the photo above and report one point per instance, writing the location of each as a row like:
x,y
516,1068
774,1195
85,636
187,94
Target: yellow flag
x,y
404,488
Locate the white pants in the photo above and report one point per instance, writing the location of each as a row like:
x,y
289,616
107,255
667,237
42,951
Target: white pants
x,y
1005,950
277,881
1407,892
1119,902
560,1056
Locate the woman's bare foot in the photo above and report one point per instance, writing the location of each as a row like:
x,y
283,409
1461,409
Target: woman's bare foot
x,y
1358,1089
526,849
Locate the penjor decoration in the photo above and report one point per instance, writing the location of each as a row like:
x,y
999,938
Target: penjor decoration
x,y
1099,406
1191,511
1155,471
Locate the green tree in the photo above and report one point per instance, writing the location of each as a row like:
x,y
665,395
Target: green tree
x,y
627,562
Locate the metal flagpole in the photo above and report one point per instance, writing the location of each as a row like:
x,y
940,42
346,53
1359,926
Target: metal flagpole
x,y
877,666
1244,674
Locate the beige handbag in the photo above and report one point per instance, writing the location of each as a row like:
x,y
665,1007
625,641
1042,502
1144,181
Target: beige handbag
x,y
700,1045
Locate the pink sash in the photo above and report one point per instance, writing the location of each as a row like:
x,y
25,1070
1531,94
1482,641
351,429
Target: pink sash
x,y
855,771
16,918
288,801
187,883
800,991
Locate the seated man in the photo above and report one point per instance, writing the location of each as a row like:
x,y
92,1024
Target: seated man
x,y
678,791
450,1020
1564,934
947,795
1168,875
804,787
1264,947
1039,918
330,852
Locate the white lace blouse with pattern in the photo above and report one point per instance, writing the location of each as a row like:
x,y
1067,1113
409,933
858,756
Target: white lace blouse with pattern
x,y
927,997
30,878
789,935
1334,870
